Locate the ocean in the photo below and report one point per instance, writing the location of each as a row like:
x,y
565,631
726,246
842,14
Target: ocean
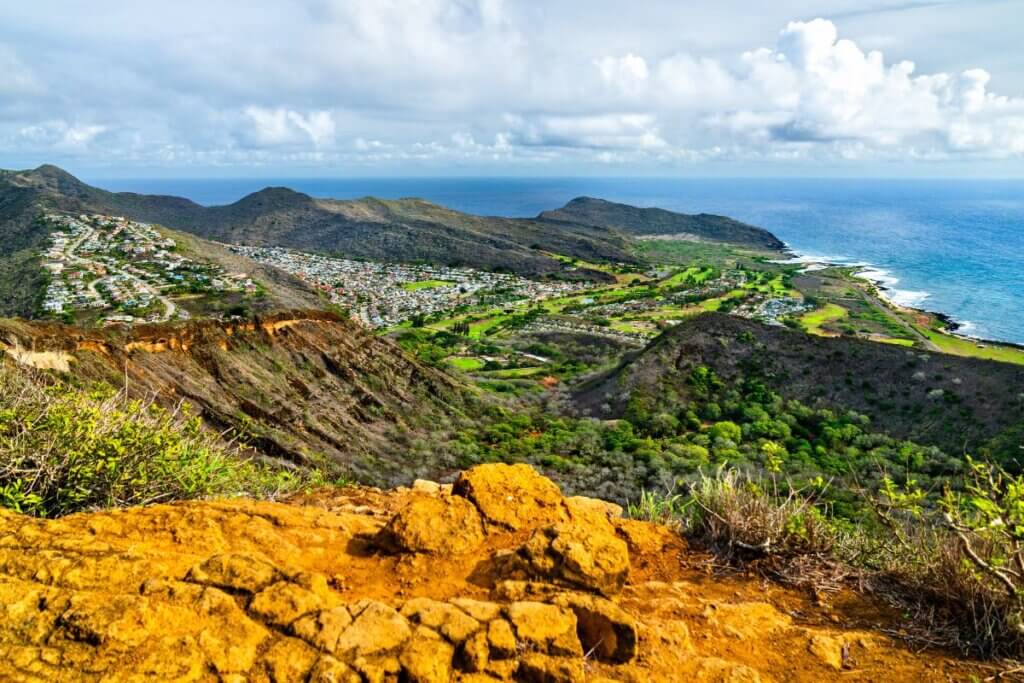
x,y
951,246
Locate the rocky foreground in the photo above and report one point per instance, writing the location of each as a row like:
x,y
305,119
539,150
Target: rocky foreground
x,y
498,577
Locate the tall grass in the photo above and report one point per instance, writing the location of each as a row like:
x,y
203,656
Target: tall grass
x,y
962,575
65,449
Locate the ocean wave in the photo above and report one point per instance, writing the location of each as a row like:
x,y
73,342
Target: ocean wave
x,y
883,279
817,259
886,283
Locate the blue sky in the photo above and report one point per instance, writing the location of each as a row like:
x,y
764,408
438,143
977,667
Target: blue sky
x,y
513,87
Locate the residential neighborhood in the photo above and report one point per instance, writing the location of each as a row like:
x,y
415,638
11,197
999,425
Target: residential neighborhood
x,y
386,294
114,270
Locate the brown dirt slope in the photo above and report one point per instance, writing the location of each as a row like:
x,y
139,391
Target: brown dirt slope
x,y
496,578
301,386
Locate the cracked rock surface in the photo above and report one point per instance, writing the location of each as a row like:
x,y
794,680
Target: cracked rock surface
x,y
496,578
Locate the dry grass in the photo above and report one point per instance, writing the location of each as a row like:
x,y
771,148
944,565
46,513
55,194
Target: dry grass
x,y
915,562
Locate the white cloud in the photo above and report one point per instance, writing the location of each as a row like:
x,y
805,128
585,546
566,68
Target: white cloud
x,y
282,126
815,88
61,135
599,132
348,81
628,74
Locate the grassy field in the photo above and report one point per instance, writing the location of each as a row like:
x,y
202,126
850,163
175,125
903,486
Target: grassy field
x,y
516,373
965,347
895,341
465,364
425,284
814,321
694,274
716,303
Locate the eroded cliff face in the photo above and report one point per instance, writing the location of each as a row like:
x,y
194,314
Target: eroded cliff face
x,y
499,577
301,386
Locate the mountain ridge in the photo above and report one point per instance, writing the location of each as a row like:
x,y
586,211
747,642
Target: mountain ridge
x,y
410,230
304,387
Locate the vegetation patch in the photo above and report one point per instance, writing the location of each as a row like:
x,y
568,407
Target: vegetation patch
x,y
425,284
815,321
65,450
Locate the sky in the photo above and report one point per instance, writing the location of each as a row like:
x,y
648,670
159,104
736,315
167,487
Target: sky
x,y
329,88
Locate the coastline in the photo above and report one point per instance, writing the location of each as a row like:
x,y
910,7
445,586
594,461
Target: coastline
x,y
882,282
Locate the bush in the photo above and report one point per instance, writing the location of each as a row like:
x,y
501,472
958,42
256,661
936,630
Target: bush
x,y
64,450
733,515
965,556
959,564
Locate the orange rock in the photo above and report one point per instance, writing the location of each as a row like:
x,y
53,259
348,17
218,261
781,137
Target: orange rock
x,y
289,661
511,496
605,630
434,524
238,591
377,630
283,602
237,571
576,556
537,668
546,628
427,658
501,640
450,621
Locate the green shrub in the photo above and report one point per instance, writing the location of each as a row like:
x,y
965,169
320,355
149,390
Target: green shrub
x,y
64,449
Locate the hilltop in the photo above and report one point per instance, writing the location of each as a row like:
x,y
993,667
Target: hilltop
x,y
655,221
498,577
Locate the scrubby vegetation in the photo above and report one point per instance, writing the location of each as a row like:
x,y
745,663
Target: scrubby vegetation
x,y
662,438
66,449
956,561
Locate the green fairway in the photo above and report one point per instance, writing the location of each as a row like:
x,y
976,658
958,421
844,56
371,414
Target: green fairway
x,y
959,346
425,284
896,342
815,320
516,373
465,363
716,303
478,329
692,275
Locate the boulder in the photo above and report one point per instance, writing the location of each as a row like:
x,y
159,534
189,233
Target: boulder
x,y
479,610
828,649
538,668
427,658
545,628
433,524
450,621
283,602
475,653
330,670
376,631
511,496
322,629
606,631
289,661
574,556
501,640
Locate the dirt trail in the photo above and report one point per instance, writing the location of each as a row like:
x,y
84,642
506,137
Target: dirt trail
x,y
500,578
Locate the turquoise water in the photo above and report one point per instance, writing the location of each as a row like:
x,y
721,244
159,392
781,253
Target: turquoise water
x,y
956,247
